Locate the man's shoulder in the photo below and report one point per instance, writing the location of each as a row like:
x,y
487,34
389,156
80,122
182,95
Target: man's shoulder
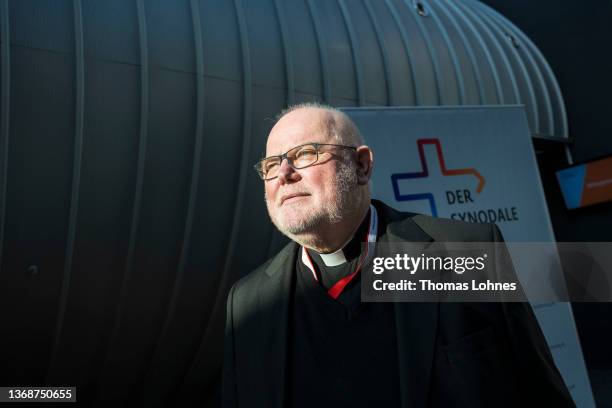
x,y
252,279
447,229
440,229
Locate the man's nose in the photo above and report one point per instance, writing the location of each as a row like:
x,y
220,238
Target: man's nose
x,y
286,173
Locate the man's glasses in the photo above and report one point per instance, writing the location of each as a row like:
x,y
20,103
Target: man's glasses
x,y
298,157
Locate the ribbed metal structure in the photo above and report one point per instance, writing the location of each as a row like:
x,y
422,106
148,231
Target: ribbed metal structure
x,y
128,205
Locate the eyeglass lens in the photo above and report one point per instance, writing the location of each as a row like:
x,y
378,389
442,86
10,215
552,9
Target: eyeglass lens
x,y
298,157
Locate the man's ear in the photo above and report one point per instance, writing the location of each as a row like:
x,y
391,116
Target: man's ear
x,y
365,164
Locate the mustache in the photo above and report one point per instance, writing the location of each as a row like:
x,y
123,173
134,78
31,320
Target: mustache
x,y
291,193
282,194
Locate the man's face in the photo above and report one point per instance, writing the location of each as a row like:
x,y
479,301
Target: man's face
x,y
299,201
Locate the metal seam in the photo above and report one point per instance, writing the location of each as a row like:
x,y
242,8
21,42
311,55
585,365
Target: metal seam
x,y
314,15
241,190
404,36
534,56
530,90
453,55
553,83
383,50
290,81
361,100
5,51
193,190
142,145
286,50
485,49
468,48
432,55
76,180
499,49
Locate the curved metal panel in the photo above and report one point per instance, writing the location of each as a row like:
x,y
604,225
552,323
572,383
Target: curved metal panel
x,y
383,50
339,50
468,48
361,99
502,63
314,15
482,46
76,181
138,193
5,80
280,15
247,110
453,55
549,83
515,59
534,75
424,35
148,397
398,23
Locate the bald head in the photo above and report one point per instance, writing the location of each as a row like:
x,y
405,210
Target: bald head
x,y
325,120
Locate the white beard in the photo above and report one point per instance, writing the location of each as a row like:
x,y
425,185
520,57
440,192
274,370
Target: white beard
x,y
346,200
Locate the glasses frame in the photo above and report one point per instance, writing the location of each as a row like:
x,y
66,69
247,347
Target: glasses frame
x,y
258,165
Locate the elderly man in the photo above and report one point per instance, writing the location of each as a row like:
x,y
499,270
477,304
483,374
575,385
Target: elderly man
x,y
297,333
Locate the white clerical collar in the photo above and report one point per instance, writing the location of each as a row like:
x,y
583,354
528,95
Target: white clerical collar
x,y
338,258
335,258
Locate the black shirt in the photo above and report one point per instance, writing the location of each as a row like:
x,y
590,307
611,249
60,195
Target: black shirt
x,y
343,352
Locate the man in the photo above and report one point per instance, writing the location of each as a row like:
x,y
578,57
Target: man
x,y
297,333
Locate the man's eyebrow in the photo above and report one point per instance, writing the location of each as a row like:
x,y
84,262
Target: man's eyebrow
x,y
271,155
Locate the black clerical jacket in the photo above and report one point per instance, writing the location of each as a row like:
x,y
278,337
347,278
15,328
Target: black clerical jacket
x,y
449,354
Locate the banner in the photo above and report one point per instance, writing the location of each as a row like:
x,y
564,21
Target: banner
x,y
474,164
587,183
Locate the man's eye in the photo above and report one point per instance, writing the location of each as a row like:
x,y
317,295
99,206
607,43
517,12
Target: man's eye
x,y
305,153
270,166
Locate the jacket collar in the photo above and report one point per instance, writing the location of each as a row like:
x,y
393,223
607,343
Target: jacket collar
x,y
284,258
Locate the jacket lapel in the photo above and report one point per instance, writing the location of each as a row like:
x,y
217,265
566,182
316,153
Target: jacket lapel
x,y
415,323
274,294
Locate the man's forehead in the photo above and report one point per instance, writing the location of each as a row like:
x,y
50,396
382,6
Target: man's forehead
x,y
296,128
